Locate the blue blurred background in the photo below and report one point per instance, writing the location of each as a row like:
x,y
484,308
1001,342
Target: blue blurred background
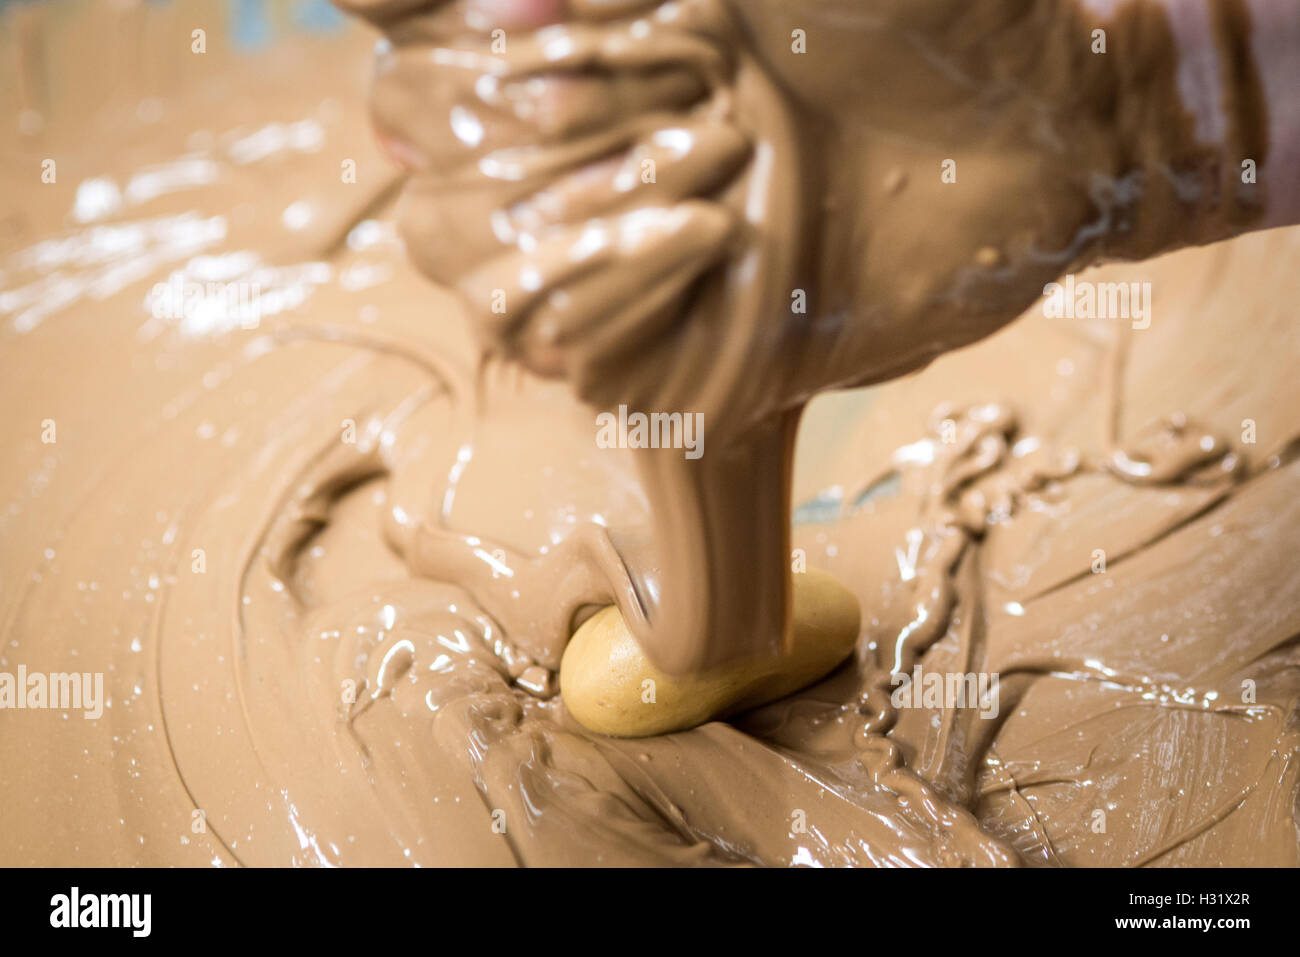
x,y
250,22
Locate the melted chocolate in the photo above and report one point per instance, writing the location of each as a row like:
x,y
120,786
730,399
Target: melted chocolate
x,y
325,564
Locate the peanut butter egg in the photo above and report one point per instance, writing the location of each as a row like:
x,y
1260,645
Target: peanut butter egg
x,y
611,687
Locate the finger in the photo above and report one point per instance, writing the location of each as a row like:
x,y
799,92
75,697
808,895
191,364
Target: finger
x,y
444,112
454,223
624,253
452,228
670,165
616,311
562,105
449,230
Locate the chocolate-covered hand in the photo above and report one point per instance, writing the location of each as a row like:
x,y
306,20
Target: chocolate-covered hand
x,y
589,187
728,207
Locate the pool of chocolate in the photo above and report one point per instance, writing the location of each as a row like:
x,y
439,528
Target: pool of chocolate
x,y
246,440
